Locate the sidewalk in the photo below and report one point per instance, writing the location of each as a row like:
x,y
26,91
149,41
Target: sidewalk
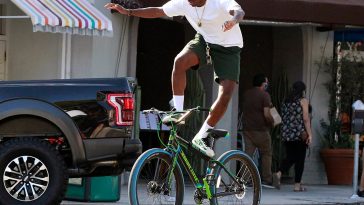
x,y
315,194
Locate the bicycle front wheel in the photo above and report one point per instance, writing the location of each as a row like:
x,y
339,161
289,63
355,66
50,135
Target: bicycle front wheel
x,y
245,189
149,184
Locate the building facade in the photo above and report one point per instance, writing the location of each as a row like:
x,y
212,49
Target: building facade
x,y
290,36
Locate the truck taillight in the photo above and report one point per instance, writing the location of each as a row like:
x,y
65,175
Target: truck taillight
x,y
123,105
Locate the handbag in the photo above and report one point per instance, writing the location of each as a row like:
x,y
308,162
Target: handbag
x,y
276,117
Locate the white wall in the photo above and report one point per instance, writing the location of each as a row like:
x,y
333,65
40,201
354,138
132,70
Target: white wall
x,y
39,55
30,55
100,56
316,45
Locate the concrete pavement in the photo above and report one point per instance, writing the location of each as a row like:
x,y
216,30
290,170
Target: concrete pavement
x,y
315,194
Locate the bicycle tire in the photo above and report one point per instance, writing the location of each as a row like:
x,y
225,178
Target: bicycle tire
x,y
151,184
249,187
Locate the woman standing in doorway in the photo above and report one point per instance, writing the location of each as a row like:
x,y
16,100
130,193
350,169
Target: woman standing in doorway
x,y
296,134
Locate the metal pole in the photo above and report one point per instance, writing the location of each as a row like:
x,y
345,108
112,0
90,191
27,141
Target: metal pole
x,y
14,17
356,166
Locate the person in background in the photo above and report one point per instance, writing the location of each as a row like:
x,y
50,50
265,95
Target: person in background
x,y
257,122
218,41
360,191
296,134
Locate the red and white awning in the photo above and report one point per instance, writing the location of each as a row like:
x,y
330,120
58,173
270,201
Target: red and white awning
x,y
66,16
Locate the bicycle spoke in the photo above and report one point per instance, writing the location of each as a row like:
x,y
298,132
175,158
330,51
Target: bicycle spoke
x,y
152,187
245,189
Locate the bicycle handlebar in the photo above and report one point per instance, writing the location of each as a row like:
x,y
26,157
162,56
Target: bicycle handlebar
x,y
156,111
185,113
203,109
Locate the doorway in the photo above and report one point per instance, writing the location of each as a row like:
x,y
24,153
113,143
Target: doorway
x,y
159,41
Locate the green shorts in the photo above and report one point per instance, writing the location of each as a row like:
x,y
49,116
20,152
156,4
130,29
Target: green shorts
x,y
226,60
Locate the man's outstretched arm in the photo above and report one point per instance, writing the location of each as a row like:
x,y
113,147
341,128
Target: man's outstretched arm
x,y
149,12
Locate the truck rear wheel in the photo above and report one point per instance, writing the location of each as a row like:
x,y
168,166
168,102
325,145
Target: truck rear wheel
x,y
31,172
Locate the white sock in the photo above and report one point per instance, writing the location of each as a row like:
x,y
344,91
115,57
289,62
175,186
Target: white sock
x,y
203,130
178,102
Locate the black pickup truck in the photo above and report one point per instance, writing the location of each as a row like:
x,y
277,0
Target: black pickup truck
x,y
51,130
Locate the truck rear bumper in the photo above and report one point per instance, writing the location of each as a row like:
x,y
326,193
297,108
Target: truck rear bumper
x,y
133,146
105,160
111,148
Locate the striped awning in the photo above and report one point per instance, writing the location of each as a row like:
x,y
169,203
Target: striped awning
x,y
66,16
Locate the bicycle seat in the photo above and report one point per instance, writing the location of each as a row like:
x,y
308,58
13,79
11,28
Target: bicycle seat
x,y
217,133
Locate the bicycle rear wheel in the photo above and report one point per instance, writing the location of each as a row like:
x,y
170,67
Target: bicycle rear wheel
x,y
248,189
148,180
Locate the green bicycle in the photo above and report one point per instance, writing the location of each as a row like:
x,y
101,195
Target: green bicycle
x,y
156,177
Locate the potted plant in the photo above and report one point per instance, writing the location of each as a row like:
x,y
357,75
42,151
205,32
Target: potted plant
x,y
337,154
344,88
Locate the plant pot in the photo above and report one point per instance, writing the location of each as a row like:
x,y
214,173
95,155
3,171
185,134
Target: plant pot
x,y
339,165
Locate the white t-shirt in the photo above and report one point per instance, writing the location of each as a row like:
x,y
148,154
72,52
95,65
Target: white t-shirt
x,y
212,19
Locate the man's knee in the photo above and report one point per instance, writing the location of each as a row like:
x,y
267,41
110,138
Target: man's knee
x,y
180,64
184,61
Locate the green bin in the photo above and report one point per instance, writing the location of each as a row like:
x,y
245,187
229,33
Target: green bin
x,y
94,189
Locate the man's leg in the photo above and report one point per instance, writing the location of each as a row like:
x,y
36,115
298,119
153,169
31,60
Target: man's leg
x,y
265,148
249,143
360,191
218,109
183,61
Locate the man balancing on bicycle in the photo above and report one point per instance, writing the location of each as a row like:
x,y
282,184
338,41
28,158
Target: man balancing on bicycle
x,y
218,35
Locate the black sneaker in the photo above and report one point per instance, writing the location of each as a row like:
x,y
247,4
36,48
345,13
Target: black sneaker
x,y
360,193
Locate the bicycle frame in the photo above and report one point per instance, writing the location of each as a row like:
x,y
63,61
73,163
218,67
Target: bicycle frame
x,y
233,170
174,146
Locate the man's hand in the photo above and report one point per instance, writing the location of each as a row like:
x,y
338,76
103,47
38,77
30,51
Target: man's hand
x,y
238,15
117,8
228,25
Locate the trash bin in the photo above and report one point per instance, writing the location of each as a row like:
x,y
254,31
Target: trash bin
x,y
94,189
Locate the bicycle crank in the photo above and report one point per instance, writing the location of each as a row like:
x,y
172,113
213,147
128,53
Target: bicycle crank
x,y
199,196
